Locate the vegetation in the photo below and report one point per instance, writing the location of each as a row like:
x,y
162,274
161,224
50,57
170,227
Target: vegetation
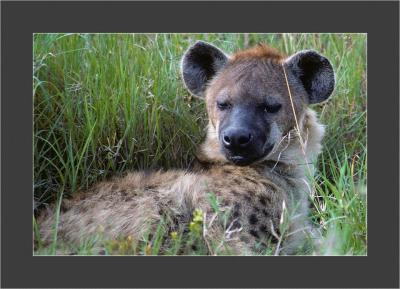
x,y
108,103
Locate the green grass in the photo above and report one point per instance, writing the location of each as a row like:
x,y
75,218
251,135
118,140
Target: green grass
x,y
105,104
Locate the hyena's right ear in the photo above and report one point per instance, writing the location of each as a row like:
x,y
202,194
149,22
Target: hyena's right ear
x,y
200,63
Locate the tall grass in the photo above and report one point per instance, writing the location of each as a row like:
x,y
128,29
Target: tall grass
x,y
108,103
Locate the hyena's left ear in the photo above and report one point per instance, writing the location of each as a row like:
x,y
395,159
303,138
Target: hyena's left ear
x,y
200,64
315,72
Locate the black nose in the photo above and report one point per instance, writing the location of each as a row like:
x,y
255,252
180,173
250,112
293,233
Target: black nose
x,y
237,138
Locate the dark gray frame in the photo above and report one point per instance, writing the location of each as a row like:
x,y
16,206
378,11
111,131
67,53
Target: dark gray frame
x,y
21,19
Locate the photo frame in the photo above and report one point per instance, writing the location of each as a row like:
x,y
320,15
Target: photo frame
x,y
21,19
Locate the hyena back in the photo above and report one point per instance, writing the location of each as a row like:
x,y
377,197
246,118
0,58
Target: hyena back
x,y
256,159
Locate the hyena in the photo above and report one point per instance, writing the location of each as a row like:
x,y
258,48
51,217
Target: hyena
x,y
258,154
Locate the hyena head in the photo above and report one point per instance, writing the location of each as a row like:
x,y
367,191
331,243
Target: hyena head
x,y
247,95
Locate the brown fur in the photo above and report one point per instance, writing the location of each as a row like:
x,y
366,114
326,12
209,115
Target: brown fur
x,y
259,51
254,195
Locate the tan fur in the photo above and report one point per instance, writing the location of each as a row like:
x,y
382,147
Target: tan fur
x,y
254,195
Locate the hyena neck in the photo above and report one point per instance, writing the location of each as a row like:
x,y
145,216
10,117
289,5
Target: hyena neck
x,y
299,154
289,156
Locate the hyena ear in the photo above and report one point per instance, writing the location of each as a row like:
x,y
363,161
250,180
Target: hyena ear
x,y
200,63
315,72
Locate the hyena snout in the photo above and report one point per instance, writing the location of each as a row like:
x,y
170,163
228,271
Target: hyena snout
x,y
237,139
243,146
242,142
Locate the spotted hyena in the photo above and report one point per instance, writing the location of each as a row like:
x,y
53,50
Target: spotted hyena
x,y
256,159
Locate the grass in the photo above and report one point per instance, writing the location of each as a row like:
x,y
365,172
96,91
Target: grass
x,y
108,103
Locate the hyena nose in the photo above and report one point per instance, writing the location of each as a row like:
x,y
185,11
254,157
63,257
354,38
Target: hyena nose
x,y
234,139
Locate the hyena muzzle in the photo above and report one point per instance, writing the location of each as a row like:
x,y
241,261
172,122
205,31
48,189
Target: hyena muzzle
x,y
256,160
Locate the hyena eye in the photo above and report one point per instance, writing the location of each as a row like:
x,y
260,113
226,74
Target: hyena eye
x,y
222,105
272,108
